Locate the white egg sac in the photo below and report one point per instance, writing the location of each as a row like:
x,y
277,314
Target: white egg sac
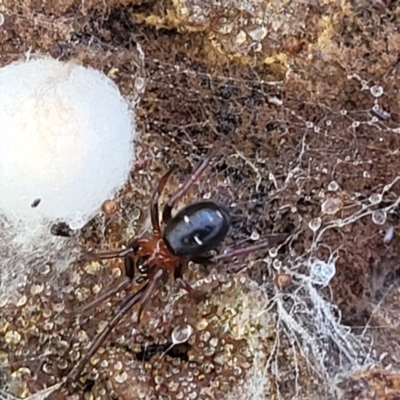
x,y
66,142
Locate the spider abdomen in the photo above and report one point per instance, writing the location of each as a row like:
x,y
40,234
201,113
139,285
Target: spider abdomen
x,y
197,228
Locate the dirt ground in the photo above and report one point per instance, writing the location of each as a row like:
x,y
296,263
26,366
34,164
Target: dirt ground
x,y
303,98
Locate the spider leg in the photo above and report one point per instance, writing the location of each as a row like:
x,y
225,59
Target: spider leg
x,y
179,280
229,253
197,295
194,293
105,255
122,284
155,220
232,252
129,266
159,275
99,339
197,172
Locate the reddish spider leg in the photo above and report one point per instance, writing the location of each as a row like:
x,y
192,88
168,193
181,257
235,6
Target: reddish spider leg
x,y
99,339
197,172
115,289
124,283
141,297
154,211
232,252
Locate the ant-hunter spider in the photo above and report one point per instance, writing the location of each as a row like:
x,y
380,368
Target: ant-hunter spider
x,y
188,236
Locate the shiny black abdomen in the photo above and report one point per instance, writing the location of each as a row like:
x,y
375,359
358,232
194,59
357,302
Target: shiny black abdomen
x,y
197,228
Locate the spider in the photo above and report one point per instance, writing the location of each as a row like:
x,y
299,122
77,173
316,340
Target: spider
x,y
188,236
